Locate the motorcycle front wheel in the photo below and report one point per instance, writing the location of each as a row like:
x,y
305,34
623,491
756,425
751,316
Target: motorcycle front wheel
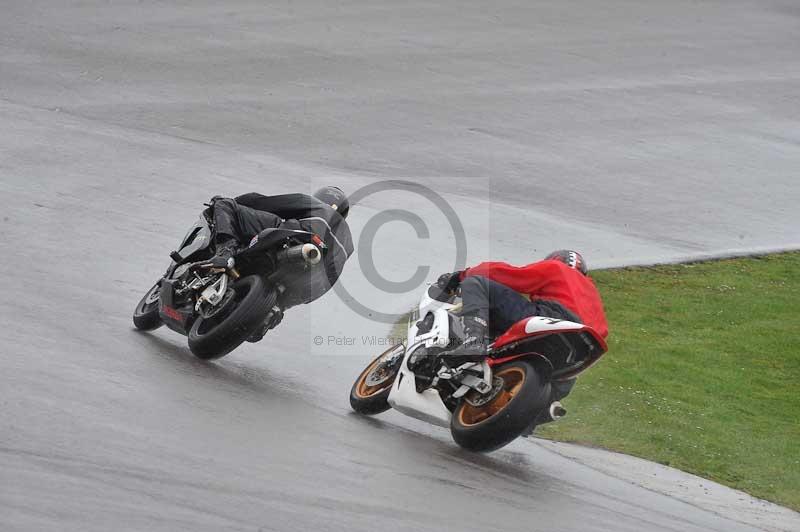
x,y
145,316
218,334
521,395
370,393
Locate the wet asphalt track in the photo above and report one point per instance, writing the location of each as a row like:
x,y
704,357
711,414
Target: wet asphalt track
x,y
637,132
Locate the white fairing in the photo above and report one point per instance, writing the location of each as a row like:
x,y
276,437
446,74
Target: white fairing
x,y
540,324
426,406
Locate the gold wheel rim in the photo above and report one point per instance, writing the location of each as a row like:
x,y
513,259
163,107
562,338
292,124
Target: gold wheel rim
x,y
363,390
513,379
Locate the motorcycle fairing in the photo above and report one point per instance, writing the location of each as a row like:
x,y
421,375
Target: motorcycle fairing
x,y
197,238
571,347
540,325
426,406
176,317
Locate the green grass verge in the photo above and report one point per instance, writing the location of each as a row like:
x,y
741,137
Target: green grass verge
x,y
702,373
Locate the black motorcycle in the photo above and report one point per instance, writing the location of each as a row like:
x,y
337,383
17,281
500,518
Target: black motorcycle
x,y
220,306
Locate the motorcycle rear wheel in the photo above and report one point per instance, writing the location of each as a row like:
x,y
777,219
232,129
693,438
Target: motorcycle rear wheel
x,y
218,335
507,415
370,392
145,315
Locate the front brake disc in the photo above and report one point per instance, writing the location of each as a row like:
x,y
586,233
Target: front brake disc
x,y
386,368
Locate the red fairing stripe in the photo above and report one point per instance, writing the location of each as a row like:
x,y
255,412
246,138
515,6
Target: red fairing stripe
x,y
517,332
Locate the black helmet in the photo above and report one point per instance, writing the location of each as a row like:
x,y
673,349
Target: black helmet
x,y
573,259
334,197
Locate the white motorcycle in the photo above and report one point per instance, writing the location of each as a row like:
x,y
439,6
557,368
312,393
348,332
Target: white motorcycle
x,y
486,403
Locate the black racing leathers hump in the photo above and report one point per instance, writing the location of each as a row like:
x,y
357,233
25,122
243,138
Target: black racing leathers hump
x,y
245,216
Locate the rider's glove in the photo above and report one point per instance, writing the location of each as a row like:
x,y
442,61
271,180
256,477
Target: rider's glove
x,y
448,282
226,249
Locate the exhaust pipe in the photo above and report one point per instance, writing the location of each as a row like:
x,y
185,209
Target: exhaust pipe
x,y
308,253
546,415
557,411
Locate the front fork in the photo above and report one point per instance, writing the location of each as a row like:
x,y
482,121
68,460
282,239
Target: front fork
x,y
214,293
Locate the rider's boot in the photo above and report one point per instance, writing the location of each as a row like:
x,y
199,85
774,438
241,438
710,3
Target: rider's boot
x,y
272,320
476,342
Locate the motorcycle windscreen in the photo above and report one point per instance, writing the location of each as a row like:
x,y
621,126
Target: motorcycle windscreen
x,y
197,238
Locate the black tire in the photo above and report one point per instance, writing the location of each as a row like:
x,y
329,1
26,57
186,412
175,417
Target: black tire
x,y
145,316
508,415
371,399
217,336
